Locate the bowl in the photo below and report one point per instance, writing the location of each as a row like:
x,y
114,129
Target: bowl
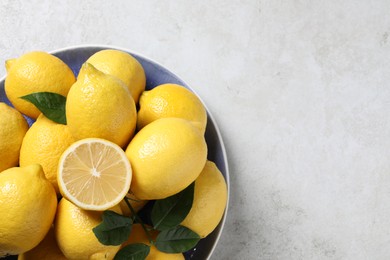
x,y
156,74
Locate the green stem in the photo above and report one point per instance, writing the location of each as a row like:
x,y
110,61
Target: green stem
x,y
139,220
132,199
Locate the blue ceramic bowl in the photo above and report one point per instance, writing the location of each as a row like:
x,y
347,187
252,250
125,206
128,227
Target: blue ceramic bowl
x,y
156,74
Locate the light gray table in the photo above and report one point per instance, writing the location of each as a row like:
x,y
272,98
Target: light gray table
x,y
300,90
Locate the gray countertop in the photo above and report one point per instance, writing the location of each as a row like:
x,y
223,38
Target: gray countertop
x,y
299,89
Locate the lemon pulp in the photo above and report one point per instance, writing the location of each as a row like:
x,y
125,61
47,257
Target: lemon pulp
x,y
94,174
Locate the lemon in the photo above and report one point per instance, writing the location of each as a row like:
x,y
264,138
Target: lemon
x,y
138,235
44,144
100,105
171,100
123,66
46,250
73,231
94,174
167,155
135,203
36,72
210,198
13,127
27,207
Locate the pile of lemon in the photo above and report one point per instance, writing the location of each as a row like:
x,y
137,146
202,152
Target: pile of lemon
x,y
118,140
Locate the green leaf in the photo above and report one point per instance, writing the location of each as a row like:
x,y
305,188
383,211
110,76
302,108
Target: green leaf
x,y
114,228
52,105
170,212
133,252
176,240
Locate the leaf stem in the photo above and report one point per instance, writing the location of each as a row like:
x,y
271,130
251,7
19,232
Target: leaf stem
x,y
133,199
139,220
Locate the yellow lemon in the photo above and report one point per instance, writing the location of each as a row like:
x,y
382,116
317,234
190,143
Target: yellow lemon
x,y
123,66
138,235
44,144
210,198
13,127
73,231
27,208
167,155
46,250
100,105
36,72
171,100
94,174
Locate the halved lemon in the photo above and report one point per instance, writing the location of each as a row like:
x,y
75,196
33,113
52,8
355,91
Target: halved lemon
x,y
94,174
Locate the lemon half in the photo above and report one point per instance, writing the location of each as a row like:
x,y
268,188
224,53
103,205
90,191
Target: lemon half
x,y
94,174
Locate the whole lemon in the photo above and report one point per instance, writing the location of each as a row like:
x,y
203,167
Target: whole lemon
x,y
167,155
44,144
171,100
28,205
73,230
100,105
36,71
138,235
123,66
13,127
46,250
210,198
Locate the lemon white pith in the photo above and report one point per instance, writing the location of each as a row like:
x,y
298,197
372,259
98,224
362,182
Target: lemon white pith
x,y
94,174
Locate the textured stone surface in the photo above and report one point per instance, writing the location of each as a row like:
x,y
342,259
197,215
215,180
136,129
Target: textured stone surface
x,y
300,90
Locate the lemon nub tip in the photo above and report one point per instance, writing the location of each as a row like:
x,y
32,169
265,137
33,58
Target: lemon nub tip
x,y
89,68
9,63
36,169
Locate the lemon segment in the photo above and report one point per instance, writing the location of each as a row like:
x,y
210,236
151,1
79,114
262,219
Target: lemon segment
x,y
94,174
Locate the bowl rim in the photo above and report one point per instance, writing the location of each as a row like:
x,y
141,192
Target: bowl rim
x,y
219,135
